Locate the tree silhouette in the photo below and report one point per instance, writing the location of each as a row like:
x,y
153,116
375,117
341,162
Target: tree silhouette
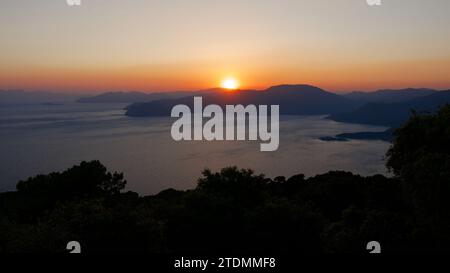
x,y
86,179
420,156
237,211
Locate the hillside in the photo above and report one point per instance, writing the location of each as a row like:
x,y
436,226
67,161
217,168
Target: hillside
x,y
393,114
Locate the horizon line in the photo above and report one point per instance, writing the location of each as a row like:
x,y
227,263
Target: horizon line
x,y
112,90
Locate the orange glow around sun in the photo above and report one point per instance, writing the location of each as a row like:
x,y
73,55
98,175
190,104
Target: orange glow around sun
x,y
230,83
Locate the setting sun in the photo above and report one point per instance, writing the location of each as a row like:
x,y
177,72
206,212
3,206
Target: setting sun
x,y
230,83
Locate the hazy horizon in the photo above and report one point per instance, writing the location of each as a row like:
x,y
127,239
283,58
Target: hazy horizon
x,y
98,92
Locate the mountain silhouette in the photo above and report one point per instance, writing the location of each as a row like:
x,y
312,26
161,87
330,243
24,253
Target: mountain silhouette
x,y
121,97
136,96
292,99
390,95
393,114
15,97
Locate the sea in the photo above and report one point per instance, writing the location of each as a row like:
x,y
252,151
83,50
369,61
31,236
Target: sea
x,y
44,138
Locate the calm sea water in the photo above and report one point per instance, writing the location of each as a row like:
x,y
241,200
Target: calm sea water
x,y
38,139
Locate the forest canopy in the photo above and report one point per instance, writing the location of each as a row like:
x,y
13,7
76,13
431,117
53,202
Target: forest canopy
x,y
238,211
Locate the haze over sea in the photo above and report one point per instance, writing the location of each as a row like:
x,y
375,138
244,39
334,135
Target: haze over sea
x,y
38,139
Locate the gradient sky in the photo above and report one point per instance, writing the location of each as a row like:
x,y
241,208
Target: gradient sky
x,y
159,45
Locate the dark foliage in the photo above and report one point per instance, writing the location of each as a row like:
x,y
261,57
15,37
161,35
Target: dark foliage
x,y
238,211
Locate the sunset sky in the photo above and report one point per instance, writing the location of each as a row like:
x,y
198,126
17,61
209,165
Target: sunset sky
x,y
159,45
